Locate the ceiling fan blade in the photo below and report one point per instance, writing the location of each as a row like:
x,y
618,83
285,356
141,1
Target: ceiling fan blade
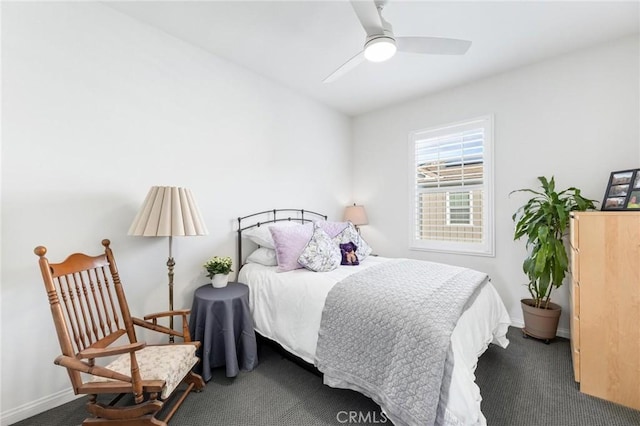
x,y
345,68
369,17
433,45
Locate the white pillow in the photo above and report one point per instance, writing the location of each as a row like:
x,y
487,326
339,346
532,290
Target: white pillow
x,y
262,236
263,256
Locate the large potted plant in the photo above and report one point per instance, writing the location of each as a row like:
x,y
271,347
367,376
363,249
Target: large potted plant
x,y
544,221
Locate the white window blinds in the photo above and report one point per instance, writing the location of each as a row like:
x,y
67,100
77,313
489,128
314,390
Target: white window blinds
x,y
451,184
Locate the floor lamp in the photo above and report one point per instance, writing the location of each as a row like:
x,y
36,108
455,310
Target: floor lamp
x,y
168,211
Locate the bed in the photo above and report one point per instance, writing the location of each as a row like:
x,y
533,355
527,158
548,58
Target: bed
x,y
293,306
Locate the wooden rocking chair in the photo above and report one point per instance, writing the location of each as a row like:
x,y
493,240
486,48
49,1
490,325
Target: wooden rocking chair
x,y
89,319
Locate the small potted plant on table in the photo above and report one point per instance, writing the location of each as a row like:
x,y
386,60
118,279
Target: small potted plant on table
x,y
544,221
218,269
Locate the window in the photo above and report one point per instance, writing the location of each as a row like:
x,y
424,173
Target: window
x,y
451,178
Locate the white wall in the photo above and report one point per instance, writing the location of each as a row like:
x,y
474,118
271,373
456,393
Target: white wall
x,y
576,117
97,108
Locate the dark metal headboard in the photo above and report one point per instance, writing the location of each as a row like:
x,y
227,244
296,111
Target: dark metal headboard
x,y
273,216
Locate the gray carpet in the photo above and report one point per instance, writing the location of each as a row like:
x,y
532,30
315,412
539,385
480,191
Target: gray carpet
x,y
527,384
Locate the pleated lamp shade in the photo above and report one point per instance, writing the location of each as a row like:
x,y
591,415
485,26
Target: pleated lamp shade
x,y
168,211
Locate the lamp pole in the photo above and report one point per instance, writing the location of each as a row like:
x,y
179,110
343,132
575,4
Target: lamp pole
x,y
170,264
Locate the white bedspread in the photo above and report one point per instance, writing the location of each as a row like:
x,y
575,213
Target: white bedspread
x,y
287,308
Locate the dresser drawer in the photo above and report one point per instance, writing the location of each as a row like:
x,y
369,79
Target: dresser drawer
x,y
574,323
576,364
575,298
574,267
575,331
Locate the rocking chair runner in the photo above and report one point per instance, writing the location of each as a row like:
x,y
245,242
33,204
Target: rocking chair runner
x,y
89,319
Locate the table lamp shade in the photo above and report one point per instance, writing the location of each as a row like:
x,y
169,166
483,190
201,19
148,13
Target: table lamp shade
x,y
168,211
356,214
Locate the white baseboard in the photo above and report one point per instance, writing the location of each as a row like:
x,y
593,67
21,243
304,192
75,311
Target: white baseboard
x,y
562,332
36,407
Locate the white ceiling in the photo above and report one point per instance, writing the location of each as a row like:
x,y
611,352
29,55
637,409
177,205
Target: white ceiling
x,y
299,43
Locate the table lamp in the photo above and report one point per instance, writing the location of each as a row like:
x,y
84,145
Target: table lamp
x,y
356,215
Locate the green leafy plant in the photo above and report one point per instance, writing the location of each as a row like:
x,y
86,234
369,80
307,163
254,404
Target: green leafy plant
x,y
544,220
218,265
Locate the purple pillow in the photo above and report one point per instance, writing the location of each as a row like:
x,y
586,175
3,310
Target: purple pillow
x,y
332,228
289,243
349,256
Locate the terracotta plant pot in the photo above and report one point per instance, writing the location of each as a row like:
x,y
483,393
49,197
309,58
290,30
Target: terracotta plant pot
x,y
538,322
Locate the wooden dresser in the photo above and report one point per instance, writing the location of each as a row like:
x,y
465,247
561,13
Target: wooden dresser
x,y
605,304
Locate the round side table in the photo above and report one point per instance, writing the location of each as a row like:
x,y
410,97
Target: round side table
x,y
221,321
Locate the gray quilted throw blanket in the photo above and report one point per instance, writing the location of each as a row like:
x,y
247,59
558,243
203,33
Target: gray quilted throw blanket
x,y
385,332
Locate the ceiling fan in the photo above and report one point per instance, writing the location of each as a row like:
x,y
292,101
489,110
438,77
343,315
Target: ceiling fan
x,y
381,44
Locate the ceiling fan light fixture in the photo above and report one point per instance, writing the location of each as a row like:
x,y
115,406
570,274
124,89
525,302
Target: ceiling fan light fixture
x,y
380,49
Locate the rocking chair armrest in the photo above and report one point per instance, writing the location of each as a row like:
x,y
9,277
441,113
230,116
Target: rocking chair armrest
x,y
95,370
116,350
154,326
176,312
153,323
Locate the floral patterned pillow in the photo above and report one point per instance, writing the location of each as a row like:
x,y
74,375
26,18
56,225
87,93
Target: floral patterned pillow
x,y
320,254
350,235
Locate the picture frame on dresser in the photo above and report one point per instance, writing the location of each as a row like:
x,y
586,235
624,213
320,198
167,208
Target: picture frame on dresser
x,y
623,191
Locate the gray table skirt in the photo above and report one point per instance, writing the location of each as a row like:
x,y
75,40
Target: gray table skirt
x,y
221,320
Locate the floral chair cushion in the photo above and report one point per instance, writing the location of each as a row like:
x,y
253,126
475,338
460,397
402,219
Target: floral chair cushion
x,y
170,363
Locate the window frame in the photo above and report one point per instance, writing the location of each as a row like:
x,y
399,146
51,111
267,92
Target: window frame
x,y
487,246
